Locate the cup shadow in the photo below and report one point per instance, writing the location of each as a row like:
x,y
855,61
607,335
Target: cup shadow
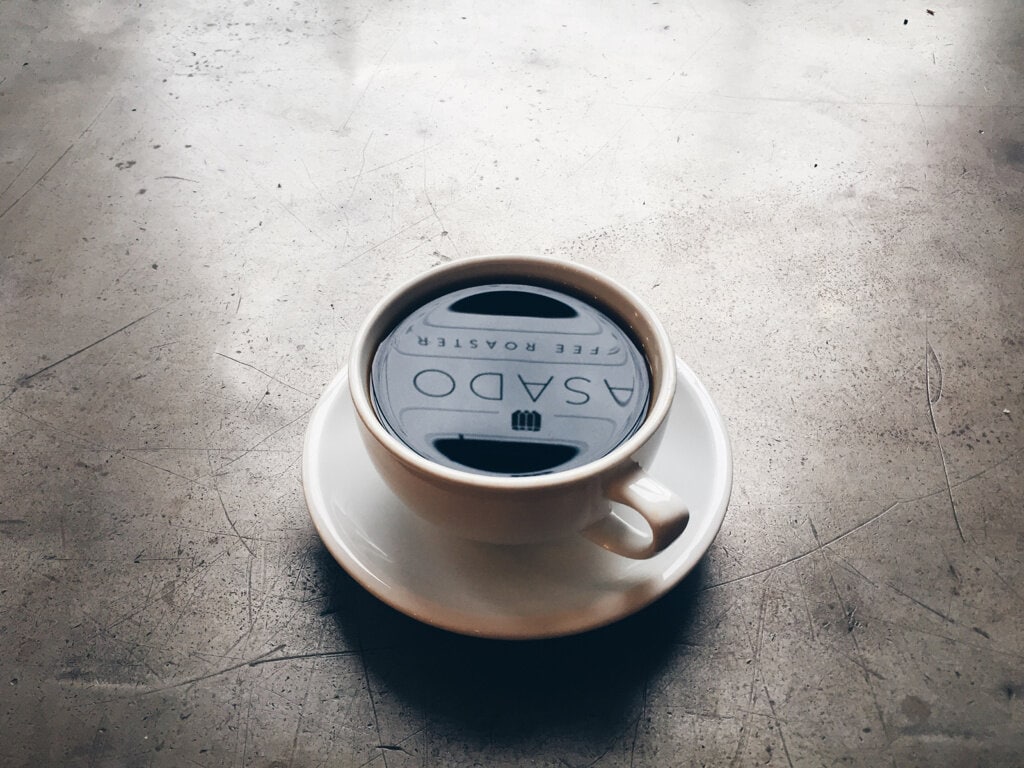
x,y
504,689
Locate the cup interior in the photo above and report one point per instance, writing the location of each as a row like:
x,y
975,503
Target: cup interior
x,y
592,288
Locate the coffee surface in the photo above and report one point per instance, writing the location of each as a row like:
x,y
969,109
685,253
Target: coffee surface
x,y
509,379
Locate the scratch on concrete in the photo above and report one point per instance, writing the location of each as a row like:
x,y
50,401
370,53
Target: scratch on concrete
x,y
25,379
215,673
232,524
929,354
36,183
258,370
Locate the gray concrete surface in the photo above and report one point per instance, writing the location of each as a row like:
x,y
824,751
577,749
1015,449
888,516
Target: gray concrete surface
x,y
198,203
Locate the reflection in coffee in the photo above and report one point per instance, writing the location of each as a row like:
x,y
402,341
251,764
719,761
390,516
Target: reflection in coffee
x,y
509,379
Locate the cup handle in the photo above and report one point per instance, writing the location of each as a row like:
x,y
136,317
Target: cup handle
x,y
664,511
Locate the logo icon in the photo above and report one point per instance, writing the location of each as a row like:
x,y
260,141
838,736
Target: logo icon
x,y
528,421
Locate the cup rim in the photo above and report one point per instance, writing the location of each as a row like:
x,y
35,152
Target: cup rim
x,y
395,305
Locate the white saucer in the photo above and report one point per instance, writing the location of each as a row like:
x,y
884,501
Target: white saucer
x,y
512,592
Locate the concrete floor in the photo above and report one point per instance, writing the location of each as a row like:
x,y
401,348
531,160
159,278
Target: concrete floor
x,y
200,201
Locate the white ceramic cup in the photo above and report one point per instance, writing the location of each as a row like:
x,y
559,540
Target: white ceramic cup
x,y
523,510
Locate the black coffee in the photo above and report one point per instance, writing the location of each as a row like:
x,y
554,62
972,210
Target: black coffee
x,y
509,379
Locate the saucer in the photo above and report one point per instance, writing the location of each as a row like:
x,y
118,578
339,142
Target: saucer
x,y
501,591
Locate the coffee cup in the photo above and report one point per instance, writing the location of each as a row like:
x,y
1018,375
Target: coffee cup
x,y
453,479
